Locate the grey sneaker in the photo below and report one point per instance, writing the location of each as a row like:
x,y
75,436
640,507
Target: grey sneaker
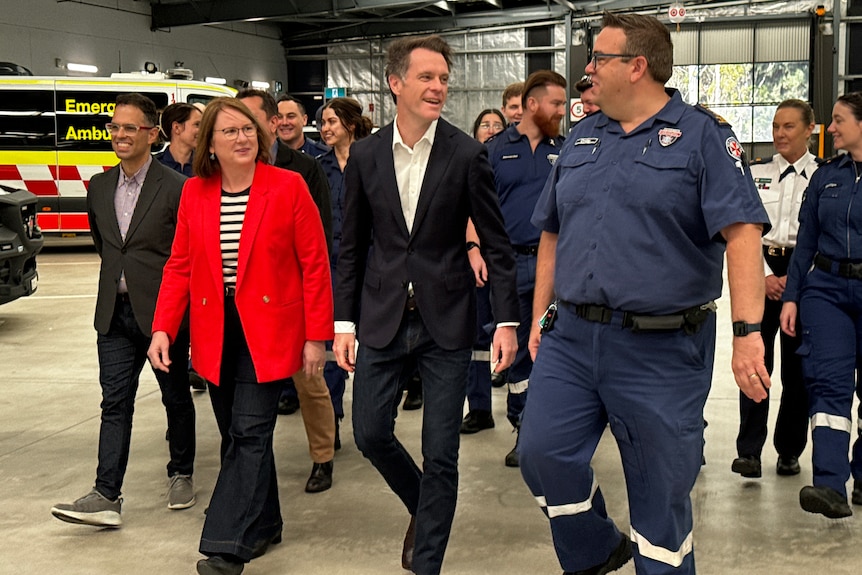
x,y
181,492
91,509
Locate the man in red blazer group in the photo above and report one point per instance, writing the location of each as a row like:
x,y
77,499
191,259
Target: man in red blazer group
x,y
404,279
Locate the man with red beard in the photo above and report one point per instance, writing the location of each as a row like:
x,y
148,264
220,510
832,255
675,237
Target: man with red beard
x,y
522,157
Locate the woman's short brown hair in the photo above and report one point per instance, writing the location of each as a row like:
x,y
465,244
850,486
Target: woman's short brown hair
x,y
203,165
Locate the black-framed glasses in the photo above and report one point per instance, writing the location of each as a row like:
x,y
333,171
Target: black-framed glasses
x,y
597,57
130,129
248,131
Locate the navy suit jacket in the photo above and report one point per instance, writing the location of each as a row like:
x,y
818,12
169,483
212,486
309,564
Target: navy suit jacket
x,y
379,257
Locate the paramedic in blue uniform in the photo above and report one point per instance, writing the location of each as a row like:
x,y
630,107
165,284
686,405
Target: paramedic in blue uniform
x,y
781,181
522,156
641,205
828,299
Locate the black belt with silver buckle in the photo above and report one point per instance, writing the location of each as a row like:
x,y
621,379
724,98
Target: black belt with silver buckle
x,y
777,252
410,305
849,270
229,291
526,250
690,319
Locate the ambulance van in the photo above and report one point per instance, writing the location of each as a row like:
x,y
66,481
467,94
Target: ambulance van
x,y
53,137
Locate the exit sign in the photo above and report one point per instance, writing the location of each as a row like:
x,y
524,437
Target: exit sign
x,y
331,93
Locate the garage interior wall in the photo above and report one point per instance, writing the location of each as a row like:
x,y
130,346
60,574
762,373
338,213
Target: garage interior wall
x,y
485,62
115,35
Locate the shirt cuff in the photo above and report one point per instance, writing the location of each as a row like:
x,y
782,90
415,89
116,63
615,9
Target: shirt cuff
x,y
345,327
508,324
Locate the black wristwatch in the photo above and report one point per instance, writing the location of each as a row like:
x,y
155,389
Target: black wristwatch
x,y
741,329
471,245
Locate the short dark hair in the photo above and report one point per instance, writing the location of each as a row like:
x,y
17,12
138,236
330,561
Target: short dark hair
x,y
853,100
398,54
540,79
484,113
179,112
269,105
203,165
647,37
805,109
289,98
349,111
142,103
512,91
584,84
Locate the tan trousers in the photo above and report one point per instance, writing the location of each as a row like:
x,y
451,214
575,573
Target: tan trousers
x,y
317,415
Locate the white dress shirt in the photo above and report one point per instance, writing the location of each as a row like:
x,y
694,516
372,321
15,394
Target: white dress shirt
x,y
782,197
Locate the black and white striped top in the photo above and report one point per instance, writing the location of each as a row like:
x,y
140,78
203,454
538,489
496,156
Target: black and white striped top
x,y
233,207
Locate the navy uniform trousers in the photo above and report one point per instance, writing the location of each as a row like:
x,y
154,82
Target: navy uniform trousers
x,y
791,426
651,388
830,310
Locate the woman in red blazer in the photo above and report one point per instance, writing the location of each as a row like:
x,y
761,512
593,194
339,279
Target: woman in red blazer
x,y
250,263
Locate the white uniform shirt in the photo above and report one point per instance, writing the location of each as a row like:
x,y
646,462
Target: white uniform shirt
x,y
782,197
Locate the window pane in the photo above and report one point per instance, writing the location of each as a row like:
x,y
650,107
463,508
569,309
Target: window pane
x,y
684,79
739,118
778,81
725,84
763,123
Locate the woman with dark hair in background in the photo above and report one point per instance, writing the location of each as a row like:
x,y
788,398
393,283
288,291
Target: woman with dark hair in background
x,y
250,262
179,126
489,122
342,123
824,283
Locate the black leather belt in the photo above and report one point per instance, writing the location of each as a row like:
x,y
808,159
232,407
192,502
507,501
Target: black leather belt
x,y
526,250
777,252
690,319
844,269
410,305
229,291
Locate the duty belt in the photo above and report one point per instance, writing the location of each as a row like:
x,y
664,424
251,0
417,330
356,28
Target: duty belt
x,y
688,319
778,252
526,250
845,269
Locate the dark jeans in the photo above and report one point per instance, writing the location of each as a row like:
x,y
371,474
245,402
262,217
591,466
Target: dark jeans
x,y
428,493
122,354
244,509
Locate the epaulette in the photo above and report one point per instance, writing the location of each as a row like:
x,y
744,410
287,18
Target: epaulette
x,y
830,160
718,119
819,161
491,138
760,161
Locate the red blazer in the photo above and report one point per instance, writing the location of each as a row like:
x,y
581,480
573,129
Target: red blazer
x,y
283,288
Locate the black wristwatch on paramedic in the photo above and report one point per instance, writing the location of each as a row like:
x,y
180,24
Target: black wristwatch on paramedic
x,y
742,329
471,245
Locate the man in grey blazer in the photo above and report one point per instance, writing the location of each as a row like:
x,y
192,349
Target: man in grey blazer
x,y
132,210
403,276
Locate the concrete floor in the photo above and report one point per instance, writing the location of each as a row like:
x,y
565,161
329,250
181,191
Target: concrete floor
x,y
49,421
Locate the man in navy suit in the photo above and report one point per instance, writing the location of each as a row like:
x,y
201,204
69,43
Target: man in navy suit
x,y
403,265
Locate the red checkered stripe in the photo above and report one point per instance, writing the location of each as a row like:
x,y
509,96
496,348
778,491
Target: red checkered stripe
x,y
49,179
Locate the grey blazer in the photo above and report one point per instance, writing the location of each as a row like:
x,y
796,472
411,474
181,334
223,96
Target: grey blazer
x,y
148,241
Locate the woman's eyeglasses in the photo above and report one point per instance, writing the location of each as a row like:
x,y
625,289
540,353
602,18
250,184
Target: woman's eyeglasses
x,y
232,133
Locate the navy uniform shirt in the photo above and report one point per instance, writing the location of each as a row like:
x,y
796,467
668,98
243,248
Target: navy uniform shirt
x,y
336,188
168,160
519,176
830,221
312,148
639,215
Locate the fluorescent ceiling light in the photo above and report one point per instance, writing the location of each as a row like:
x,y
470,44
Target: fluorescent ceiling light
x,y
214,80
260,85
88,68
